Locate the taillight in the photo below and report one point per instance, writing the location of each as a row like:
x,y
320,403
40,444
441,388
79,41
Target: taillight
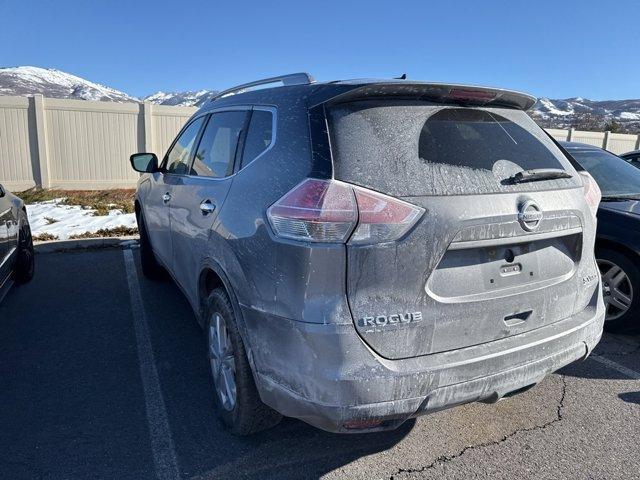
x,y
333,211
382,218
592,192
315,211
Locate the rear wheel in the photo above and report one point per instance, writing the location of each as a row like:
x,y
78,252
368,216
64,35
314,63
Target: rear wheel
x,y
150,266
237,400
25,263
620,289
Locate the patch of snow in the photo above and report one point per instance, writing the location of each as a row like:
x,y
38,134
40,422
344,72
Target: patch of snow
x,y
185,99
73,219
550,107
629,116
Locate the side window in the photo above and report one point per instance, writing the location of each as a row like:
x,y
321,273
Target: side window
x,y
217,149
259,135
180,154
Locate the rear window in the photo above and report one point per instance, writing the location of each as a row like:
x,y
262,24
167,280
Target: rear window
x,y
613,175
407,149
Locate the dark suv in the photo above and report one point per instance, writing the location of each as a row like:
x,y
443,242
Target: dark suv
x,y
363,252
16,244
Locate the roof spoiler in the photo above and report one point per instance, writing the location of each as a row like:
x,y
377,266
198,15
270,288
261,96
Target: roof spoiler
x,y
438,92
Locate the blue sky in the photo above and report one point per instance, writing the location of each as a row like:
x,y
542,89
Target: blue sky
x,y
548,48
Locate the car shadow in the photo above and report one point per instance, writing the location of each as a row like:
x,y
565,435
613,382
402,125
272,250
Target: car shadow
x,y
204,448
294,449
623,350
630,397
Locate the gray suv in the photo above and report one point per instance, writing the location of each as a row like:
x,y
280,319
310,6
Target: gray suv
x,y
363,252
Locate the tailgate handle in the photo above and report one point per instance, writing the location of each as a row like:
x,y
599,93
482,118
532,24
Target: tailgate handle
x,y
517,318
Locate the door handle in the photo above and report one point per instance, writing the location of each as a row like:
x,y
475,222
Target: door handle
x,y
166,197
206,207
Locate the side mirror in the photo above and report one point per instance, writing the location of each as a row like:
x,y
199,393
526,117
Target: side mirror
x,y
144,162
2,192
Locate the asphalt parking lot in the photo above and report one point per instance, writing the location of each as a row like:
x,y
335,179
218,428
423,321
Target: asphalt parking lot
x,y
103,375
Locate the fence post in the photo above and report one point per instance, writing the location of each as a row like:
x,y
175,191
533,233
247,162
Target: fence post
x,y
147,126
605,140
570,135
638,143
41,140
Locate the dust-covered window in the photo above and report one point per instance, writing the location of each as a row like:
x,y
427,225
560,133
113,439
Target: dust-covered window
x,y
406,148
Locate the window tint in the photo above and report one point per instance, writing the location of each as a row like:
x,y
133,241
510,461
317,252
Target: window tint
x,y
259,135
217,149
180,154
478,139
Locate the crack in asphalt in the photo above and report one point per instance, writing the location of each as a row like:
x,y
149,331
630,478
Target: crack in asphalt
x,y
443,459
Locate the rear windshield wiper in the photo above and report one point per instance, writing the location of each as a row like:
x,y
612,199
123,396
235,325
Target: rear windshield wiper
x,y
538,174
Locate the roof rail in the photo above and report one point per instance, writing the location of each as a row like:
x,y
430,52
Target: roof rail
x,y
301,78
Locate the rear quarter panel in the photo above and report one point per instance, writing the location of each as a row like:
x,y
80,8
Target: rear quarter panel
x,y
241,241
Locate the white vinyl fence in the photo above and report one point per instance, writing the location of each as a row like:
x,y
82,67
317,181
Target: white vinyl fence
x,y
614,142
79,144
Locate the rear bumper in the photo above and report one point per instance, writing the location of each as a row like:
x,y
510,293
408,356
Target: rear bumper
x,y
327,376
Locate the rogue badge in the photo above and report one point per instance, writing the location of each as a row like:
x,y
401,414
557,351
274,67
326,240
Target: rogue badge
x,y
384,320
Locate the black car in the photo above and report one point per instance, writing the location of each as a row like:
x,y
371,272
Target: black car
x,y
618,234
16,244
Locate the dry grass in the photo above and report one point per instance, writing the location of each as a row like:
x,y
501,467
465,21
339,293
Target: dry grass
x,y
100,200
44,237
111,232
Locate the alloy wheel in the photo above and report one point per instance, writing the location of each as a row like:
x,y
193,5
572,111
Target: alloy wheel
x,y
616,289
222,360
25,248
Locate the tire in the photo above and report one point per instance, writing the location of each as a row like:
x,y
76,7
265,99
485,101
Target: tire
x,y
150,266
240,407
621,290
25,262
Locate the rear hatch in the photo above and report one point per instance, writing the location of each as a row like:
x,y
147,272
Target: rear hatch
x,y
491,257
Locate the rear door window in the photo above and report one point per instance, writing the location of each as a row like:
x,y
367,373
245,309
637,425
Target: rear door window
x,y
406,148
217,149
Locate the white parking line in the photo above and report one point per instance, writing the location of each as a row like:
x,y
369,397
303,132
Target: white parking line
x,y
164,454
627,372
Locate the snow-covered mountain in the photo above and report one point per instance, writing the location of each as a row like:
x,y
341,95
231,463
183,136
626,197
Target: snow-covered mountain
x,y
582,113
55,84
52,83
181,98
617,109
